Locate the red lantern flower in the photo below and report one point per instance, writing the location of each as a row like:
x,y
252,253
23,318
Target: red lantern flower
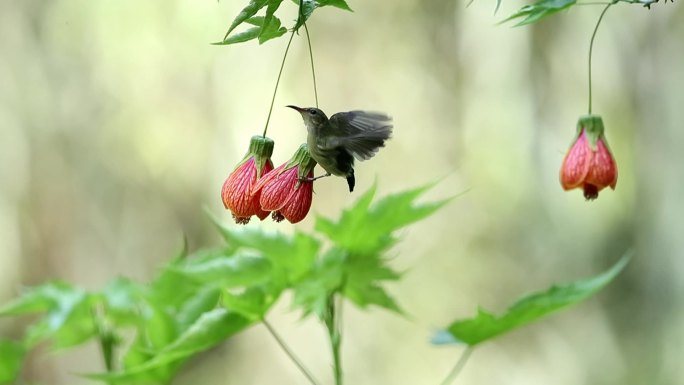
x,y
589,163
288,189
238,192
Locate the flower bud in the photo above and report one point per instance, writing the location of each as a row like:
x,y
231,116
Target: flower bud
x,y
238,190
589,163
287,190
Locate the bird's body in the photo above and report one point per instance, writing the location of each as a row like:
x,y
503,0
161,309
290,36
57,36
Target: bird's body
x,y
334,143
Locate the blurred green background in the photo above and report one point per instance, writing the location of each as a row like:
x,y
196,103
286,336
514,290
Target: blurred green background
x,y
119,122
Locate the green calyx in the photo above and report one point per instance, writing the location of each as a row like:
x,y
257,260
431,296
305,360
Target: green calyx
x,y
303,159
593,126
261,148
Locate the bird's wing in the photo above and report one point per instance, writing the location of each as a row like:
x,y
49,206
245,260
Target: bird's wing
x,y
361,133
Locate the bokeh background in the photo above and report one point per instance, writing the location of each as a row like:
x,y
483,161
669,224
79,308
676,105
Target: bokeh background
x,y
119,122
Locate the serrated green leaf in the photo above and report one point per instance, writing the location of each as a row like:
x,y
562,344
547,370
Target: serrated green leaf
x,y
253,302
256,20
273,31
341,4
250,10
363,278
247,35
203,301
12,354
207,331
369,294
532,307
303,14
309,6
121,301
68,320
311,294
365,229
532,13
290,256
236,270
270,21
159,326
43,298
171,288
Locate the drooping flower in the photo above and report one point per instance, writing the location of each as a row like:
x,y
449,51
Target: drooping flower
x,y
589,164
238,190
287,190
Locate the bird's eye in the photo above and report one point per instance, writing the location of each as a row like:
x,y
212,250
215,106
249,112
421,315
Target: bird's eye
x,y
312,111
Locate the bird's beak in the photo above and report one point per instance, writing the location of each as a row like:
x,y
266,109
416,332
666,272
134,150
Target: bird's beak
x,y
299,109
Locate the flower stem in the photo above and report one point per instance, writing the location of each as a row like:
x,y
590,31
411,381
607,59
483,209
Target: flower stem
x,y
313,70
333,319
591,46
275,90
289,353
458,367
282,65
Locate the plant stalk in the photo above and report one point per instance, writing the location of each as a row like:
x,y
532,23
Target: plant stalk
x,y
313,70
332,323
591,47
458,367
289,353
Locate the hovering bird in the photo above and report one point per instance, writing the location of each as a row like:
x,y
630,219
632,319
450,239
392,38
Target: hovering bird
x,y
334,143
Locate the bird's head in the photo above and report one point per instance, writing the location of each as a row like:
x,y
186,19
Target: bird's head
x,y
313,117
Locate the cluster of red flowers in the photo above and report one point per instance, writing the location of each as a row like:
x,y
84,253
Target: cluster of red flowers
x,y
256,188
589,164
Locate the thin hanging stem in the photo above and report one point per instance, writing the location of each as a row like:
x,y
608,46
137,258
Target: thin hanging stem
x,y
282,65
456,370
591,47
289,353
313,70
275,90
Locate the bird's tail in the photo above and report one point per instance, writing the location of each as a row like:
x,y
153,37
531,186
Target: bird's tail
x,y
351,181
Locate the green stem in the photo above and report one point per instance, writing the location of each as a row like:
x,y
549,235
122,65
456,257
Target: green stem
x,y
591,47
456,370
332,323
282,65
106,339
289,353
313,70
275,90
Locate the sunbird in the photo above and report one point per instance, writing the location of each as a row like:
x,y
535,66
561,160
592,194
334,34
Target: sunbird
x,y
334,143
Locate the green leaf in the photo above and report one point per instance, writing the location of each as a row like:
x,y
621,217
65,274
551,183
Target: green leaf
x,y
271,24
247,35
171,288
341,4
363,276
253,302
43,298
236,270
365,229
121,299
529,308
309,6
312,293
12,354
68,320
290,256
532,13
207,331
250,10
203,301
